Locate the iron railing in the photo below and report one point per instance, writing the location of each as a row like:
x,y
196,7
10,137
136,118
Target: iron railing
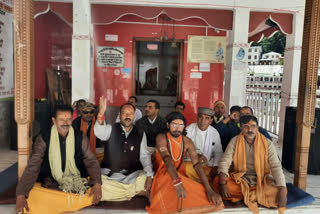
x,y
266,107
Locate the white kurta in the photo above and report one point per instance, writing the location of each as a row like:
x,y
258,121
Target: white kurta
x,y
103,132
207,143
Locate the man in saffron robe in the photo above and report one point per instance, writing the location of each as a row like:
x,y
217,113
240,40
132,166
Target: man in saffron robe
x,y
61,160
253,157
172,190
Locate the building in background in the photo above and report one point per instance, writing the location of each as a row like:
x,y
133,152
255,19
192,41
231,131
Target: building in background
x,y
254,55
271,58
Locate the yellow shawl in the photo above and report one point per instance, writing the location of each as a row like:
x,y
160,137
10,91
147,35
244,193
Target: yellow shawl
x,y
70,180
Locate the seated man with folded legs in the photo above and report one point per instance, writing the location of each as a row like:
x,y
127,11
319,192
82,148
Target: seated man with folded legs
x,y
207,142
172,191
61,160
253,157
126,167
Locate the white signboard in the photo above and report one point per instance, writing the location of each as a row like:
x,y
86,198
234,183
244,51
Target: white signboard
x,y
108,56
6,49
195,75
111,37
204,67
209,49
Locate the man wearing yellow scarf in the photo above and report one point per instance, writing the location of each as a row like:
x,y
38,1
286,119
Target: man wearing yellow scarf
x,y
61,160
253,157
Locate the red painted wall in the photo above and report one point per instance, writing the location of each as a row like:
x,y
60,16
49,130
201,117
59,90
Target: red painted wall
x,y
52,46
195,92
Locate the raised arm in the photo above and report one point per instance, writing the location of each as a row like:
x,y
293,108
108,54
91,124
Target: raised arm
x,y
161,146
101,129
213,197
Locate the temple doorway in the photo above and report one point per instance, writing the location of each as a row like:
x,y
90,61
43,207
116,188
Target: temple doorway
x,y
158,72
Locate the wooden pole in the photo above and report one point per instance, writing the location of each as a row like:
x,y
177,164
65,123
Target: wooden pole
x,y
24,78
307,89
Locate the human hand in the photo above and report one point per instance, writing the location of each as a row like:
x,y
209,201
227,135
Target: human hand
x,y
102,105
148,184
21,204
181,192
74,104
282,197
96,192
224,191
235,115
213,197
202,159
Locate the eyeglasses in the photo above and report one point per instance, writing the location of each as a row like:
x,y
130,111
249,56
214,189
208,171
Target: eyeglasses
x,y
87,112
173,125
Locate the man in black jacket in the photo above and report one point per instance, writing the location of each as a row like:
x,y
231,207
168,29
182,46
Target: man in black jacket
x,y
126,168
152,123
61,159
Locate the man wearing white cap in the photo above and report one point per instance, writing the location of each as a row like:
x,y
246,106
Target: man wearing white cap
x,y
219,110
207,142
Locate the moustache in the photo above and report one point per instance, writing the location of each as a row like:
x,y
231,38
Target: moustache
x,y
250,133
65,126
127,119
177,132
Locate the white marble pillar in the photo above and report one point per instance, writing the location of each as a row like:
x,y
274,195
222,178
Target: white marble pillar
x,y
82,70
236,60
291,70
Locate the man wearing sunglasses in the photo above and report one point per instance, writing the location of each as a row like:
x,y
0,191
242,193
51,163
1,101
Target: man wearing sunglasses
x,y
207,142
85,124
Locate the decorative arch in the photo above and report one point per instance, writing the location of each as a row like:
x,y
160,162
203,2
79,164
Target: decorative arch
x,y
218,19
259,29
62,10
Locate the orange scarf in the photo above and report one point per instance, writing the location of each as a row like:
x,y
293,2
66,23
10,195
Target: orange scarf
x,y
84,129
175,148
265,193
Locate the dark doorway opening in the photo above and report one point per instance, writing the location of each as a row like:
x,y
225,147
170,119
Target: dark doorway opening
x,y
157,68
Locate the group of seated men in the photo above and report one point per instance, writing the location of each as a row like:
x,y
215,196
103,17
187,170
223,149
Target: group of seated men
x,y
179,168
